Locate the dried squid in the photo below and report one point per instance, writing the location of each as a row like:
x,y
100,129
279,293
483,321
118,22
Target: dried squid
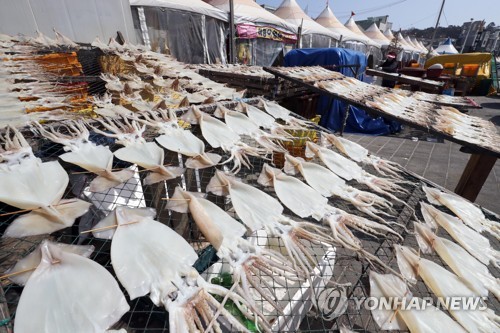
x,y
475,243
304,201
429,320
349,170
174,138
242,125
14,149
260,211
97,159
327,183
68,293
360,154
219,135
279,112
22,269
445,284
249,262
145,154
472,271
150,258
465,210
39,187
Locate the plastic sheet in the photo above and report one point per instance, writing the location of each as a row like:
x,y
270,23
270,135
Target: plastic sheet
x,y
332,111
169,31
258,52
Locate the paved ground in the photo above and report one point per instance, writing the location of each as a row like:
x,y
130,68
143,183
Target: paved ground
x,y
441,163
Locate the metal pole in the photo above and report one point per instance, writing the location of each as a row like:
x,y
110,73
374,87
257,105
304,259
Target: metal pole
x,y
466,36
435,29
232,41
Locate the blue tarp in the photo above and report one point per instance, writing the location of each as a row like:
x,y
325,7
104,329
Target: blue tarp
x,y
332,113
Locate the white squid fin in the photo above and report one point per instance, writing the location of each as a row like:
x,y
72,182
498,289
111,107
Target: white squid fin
x,y
165,173
266,177
425,237
192,115
110,180
202,162
33,260
387,285
408,262
178,203
292,165
39,222
117,216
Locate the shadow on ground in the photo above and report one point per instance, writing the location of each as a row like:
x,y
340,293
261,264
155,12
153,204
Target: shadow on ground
x,y
491,105
495,120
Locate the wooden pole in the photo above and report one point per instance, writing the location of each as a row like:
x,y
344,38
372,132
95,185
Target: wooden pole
x,y
232,38
435,29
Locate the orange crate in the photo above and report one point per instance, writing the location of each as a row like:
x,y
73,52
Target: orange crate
x,y
470,70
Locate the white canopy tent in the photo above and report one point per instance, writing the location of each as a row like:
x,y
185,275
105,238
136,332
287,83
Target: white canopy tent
x,y
374,33
403,43
422,45
248,11
81,21
195,6
418,45
446,48
351,25
313,34
388,34
328,20
169,25
410,42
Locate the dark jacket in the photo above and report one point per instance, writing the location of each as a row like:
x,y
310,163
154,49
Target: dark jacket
x,y
389,66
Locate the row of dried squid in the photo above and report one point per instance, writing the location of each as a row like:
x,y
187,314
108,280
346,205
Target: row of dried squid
x,y
141,248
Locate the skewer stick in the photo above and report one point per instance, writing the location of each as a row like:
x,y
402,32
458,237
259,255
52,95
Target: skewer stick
x,y
172,199
117,169
3,277
28,210
108,227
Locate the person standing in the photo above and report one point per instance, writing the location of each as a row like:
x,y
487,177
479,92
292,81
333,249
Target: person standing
x,y
390,65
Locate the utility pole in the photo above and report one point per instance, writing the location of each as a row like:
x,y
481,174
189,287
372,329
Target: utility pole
x,y
232,40
435,29
466,36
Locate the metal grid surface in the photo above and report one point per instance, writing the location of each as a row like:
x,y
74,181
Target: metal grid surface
x,y
143,315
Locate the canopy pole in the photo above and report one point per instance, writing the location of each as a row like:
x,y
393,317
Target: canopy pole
x,y
435,29
232,40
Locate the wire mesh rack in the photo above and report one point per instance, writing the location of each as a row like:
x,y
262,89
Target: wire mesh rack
x,y
335,265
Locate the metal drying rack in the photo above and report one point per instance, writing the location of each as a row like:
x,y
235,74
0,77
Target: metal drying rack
x,y
343,267
143,316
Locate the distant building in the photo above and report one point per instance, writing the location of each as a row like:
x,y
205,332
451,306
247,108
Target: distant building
x,y
382,22
470,35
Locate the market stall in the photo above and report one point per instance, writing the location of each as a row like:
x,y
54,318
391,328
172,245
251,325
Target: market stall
x,y
312,34
261,35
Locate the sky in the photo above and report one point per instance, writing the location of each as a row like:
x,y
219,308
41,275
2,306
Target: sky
x,y
406,13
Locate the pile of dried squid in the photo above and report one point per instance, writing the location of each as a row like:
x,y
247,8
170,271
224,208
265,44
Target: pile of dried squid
x,y
150,259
